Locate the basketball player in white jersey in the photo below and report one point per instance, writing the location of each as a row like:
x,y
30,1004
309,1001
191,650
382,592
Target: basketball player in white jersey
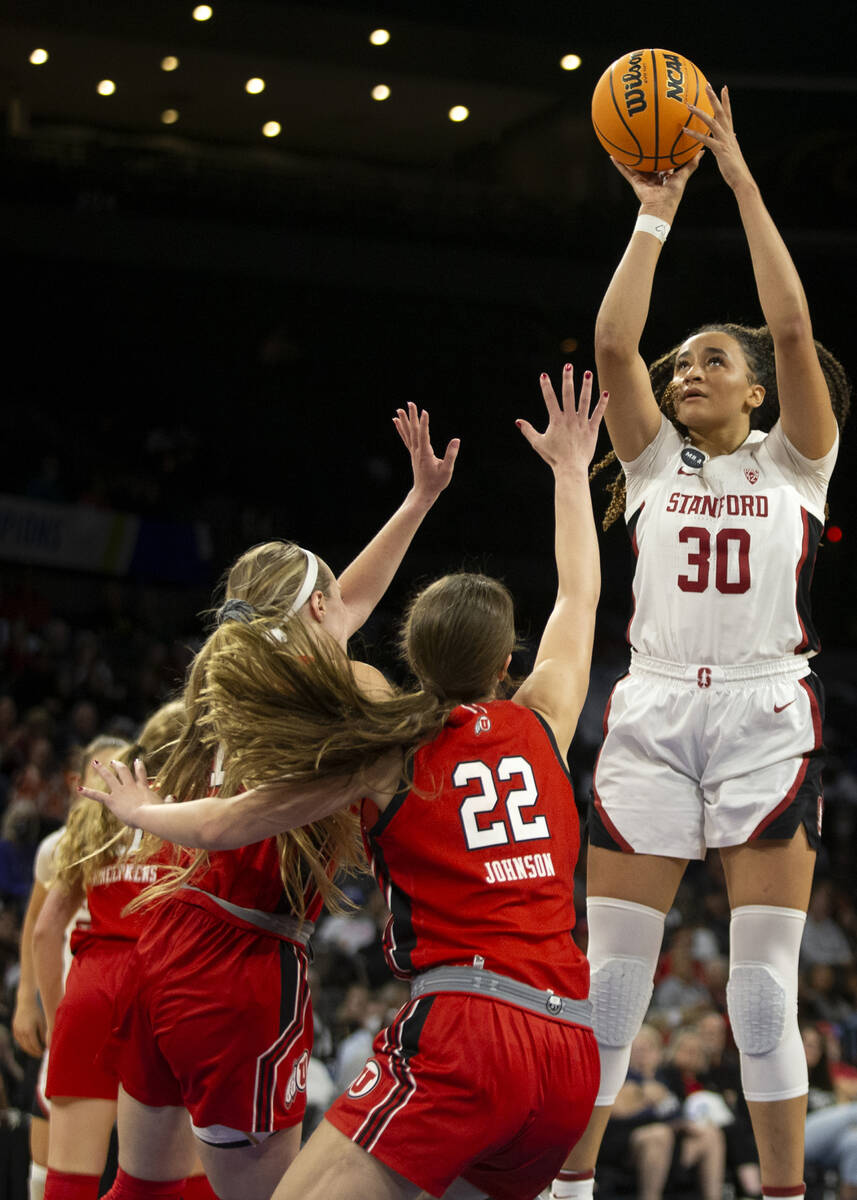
x,y
713,737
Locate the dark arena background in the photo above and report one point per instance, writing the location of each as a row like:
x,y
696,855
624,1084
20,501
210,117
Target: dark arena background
x,y
217,297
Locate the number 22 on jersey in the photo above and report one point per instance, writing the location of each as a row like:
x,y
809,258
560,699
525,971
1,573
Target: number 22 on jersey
x,y
513,827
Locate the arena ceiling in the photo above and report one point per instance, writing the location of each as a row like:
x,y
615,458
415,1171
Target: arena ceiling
x,y
528,125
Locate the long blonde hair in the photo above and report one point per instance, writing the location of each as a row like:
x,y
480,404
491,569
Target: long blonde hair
x,y
292,711
261,587
92,835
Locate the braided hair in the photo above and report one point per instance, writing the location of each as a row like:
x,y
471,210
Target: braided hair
x,y
758,347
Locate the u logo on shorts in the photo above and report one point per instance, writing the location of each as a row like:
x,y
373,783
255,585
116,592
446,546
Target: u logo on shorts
x,y
365,1081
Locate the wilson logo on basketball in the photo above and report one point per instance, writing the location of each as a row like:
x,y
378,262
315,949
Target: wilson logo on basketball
x,y
297,1079
635,97
750,475
365,1081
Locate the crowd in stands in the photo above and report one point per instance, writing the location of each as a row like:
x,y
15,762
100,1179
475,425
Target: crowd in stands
x,y
680,1126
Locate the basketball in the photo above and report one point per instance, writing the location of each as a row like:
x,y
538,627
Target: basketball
x,y
639,113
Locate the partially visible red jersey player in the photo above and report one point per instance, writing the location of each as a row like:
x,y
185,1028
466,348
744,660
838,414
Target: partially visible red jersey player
x,y
488,1074
94,865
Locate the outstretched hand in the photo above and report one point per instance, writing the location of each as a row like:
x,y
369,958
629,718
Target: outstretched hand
x,y
570,437
431,474
720,138
127,795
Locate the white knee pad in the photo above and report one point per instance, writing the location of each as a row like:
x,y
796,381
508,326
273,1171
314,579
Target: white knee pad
x,y
624,944
761,997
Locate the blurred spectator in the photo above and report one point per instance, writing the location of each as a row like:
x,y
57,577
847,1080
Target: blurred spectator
x,y
648,1130
723,1076
831,1123
681,991
19,837
41,782
823,940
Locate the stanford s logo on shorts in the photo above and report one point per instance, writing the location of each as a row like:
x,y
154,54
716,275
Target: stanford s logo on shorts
x,y
703,677
365,1081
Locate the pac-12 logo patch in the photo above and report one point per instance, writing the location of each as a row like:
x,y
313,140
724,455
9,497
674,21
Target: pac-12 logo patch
x,y
751,475
693,458
365,1081
297,1079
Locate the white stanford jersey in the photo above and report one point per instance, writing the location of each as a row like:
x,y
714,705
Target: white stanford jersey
x,y
725,553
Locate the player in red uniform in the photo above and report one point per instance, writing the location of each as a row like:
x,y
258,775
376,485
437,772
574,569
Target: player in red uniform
x,y
92,868
216,1016
28,1022
713,738
488,1073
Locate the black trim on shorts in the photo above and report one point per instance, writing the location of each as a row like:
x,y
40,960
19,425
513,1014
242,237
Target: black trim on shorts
x,y
595,831
292,989
403,1036
808,805
805,809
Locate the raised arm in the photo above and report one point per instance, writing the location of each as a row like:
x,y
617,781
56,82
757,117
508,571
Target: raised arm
x,y
805,409
633,418
365,581
226,822
558,684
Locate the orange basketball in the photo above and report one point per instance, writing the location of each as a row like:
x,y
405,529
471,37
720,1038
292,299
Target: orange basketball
x,y
639,113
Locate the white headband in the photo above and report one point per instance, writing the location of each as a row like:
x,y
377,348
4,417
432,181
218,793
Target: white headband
x,y
306,588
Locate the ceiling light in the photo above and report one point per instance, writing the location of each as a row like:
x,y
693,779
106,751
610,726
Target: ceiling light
x,y
380,92
106,87
202,12
254,86
459,113
271,128
169,116
169,63
570,62
38,57
379,37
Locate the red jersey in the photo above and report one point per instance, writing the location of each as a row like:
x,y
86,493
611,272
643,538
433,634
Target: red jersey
x,y
247,879
244,887
476,859
112,887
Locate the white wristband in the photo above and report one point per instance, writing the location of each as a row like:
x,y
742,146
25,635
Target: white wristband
x,y
656,226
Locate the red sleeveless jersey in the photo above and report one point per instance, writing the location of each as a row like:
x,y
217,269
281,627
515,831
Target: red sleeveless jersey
x,y
247,880
476,859
114,886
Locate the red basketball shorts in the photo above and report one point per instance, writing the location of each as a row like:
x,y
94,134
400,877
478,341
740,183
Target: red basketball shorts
x,y
463,1085
218,1019
83,1023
